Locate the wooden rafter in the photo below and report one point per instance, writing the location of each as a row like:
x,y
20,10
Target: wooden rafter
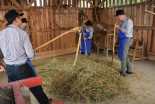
x,y
29,5
100,5
15,3
91,3
2,3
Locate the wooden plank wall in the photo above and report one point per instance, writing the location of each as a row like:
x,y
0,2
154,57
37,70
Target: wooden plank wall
x,y
142,20
47,23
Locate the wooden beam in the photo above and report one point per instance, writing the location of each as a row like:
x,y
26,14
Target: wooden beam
x,y
29,5
55,53
91,3
113,3
50,3
100,5
16,3
2,3
109,3
41,3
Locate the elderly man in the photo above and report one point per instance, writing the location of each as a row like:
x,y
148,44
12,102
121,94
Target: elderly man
x,y
126,31
17,49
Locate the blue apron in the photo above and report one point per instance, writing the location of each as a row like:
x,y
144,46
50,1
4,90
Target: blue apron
x,y
88,42
122,38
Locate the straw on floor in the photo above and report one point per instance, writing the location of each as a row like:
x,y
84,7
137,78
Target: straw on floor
x,y
91,79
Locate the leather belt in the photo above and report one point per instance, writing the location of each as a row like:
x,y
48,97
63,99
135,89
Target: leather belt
x,y
129,37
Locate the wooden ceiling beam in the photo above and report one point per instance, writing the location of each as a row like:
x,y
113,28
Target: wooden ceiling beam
x,y
91,3
100,5
29,5
15,3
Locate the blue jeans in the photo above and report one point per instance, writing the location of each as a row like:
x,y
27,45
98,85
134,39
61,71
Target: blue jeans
x,y
24,71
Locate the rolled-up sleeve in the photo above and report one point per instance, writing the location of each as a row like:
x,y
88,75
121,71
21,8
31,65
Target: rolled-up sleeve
x,y
28,47
91,34
127,28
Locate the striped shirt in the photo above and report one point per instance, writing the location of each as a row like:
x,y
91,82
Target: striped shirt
x,y
15,45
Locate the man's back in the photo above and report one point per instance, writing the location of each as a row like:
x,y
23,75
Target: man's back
x,y
15,45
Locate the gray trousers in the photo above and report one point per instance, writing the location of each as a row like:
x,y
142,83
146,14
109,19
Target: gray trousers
x,y
125,63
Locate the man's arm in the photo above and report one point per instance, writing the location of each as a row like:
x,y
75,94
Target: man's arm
x,y
28,47
128,28
91,34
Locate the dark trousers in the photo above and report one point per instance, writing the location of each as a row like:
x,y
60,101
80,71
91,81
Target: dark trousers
x,y
22,72
125,63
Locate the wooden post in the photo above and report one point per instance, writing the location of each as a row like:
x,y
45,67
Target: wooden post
x,y
113,3
84,4
109,3
102,3
2,3
126,2
122,2
41,3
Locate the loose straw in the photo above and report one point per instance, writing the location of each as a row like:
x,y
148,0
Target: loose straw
x,y
72,30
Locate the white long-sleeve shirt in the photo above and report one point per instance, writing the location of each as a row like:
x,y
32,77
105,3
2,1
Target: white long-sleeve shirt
x,y
127,27
15,45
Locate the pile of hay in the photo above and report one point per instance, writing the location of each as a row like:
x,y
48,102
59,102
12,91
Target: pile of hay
x,y
91,79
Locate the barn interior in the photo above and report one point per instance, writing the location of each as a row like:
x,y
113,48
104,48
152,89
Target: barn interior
x,y
53,28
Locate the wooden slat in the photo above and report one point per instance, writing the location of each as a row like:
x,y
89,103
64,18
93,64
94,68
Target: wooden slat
x,y
65,1
91,3
125,2
113,2
84,4
109,3
55,53
102,3
122,2
45,3
29,5
117,2
16,3
69,3
50,3
41,4
2,3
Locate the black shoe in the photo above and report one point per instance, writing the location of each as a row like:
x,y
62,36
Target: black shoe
x,y
122,74
82,53
129,72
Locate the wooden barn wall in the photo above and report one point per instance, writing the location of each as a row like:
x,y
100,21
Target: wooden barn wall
x,y
143,20
47,23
